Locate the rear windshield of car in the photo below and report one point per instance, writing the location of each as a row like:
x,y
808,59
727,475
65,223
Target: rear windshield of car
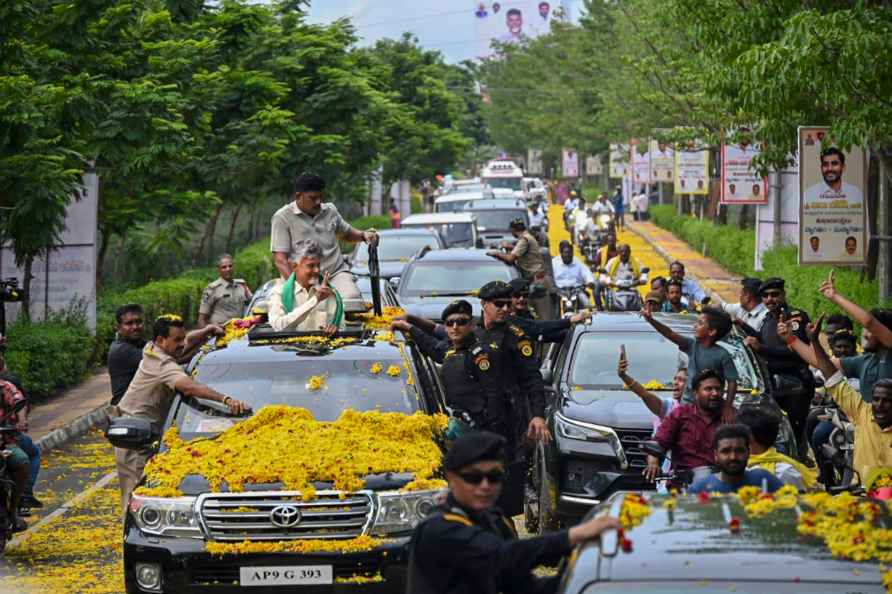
x,y
453,234
451,206
651,357
512,183
392,247
497,220
345,384
426,278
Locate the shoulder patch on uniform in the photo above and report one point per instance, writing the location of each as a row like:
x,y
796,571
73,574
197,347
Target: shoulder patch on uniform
x,y
458,518
494,345
476,350
482,362
240,281
525,347
516,330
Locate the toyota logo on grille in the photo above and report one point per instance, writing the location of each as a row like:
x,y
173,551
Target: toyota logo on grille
x,y
284,516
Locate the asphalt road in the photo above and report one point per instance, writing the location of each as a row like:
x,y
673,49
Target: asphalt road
x,y
74,544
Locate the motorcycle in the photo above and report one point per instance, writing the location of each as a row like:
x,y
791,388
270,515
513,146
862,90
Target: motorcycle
x,y
571,299
839,451
588,247
623,295
7,490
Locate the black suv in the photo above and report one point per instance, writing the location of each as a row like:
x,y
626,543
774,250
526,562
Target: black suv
x,y
692,548
165,542
598,425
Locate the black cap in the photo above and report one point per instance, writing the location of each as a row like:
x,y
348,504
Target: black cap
x,y
771,283
518,224
477,446
518,286
309,182
495,290
751,285
460,306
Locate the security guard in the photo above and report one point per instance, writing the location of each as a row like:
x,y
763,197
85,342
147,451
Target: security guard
x,y
525,255
796,385
468,545
225,298
468,378
541,331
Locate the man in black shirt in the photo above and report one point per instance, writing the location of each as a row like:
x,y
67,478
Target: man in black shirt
x,y
125,353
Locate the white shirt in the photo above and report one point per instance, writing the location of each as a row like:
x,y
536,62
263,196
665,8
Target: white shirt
x,y
640,203
821,191
574,274
580,220
571,204
753,318
537,217
602,208
308,314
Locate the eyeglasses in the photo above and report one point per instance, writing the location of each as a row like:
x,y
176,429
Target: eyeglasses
x,y
771,293
502,303
475,477
452,323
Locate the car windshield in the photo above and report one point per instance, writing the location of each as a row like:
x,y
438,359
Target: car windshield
x,y
512,183
395,247
454,234
461,189
427,278
651,358
497,220
346,384
451,206
726,585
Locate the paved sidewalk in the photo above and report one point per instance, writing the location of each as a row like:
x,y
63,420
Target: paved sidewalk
x,y
71,413
715,280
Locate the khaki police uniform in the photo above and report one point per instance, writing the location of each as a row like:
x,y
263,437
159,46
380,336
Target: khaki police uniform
x,y
291,227
149,396
223,300
529,262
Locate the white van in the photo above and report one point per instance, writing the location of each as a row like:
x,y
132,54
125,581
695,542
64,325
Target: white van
x,y
504,173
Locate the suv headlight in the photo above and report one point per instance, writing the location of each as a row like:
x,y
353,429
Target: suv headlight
x,y
165,516
401,512
583,431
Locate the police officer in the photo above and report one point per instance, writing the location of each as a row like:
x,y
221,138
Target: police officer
x,y
541,331
468,545
471,391
526,257
796,384
225,298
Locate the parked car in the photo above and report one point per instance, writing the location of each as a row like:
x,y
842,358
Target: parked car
x,y
458,201
436,278
166,538
598,425
690,548
457,229
395,248
494,218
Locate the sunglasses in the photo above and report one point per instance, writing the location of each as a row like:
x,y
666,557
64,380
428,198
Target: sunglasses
x,y
771,294
502,303
521,295
452,323
475,477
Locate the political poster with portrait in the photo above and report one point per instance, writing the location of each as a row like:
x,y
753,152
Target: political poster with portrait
x,y
619,160
691,171
662,162
510,21
741,184
593,165
832,209
570,163
534,162
640,164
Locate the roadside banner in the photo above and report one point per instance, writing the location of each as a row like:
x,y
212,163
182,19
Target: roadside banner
x,y
740,183
691,171
509,22
640,165
593,165
662,162
832,210
619,160
534,162
570,163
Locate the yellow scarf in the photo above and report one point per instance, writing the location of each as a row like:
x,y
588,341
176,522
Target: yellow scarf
x,y
770,458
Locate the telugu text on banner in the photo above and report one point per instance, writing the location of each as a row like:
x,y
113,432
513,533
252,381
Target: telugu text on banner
x,y
740,183
692,171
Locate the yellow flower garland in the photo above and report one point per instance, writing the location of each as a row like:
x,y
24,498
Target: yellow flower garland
x,y
633,511
353,545
283,444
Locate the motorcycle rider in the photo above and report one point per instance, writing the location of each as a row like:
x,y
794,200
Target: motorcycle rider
x,y
569,272
690,289
606,252
13,413
622,267
580,221
541,331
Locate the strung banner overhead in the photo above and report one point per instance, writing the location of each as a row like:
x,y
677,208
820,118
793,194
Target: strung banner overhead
x,y
570,163
640,165
593,165
692,171
619,160
832,210
662,162
740,183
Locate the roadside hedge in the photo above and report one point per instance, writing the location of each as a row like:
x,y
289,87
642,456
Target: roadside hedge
x,y
734,249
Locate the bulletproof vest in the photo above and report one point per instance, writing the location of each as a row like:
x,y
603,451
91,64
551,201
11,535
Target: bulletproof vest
x,y
461,381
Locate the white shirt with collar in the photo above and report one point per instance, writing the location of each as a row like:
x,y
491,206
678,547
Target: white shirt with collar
x,y
308,315
574,274
753,318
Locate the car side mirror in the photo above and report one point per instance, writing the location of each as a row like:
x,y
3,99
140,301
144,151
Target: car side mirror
x,y
131,433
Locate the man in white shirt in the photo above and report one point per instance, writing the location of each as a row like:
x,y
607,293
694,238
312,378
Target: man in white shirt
x,y
537,215
312,307
570,272
750,311
640,204
580,220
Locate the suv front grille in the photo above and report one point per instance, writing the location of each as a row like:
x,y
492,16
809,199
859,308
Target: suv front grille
x,y
631,441
249,516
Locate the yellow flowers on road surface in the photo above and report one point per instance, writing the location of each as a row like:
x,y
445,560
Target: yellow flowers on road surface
x,y
283,444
